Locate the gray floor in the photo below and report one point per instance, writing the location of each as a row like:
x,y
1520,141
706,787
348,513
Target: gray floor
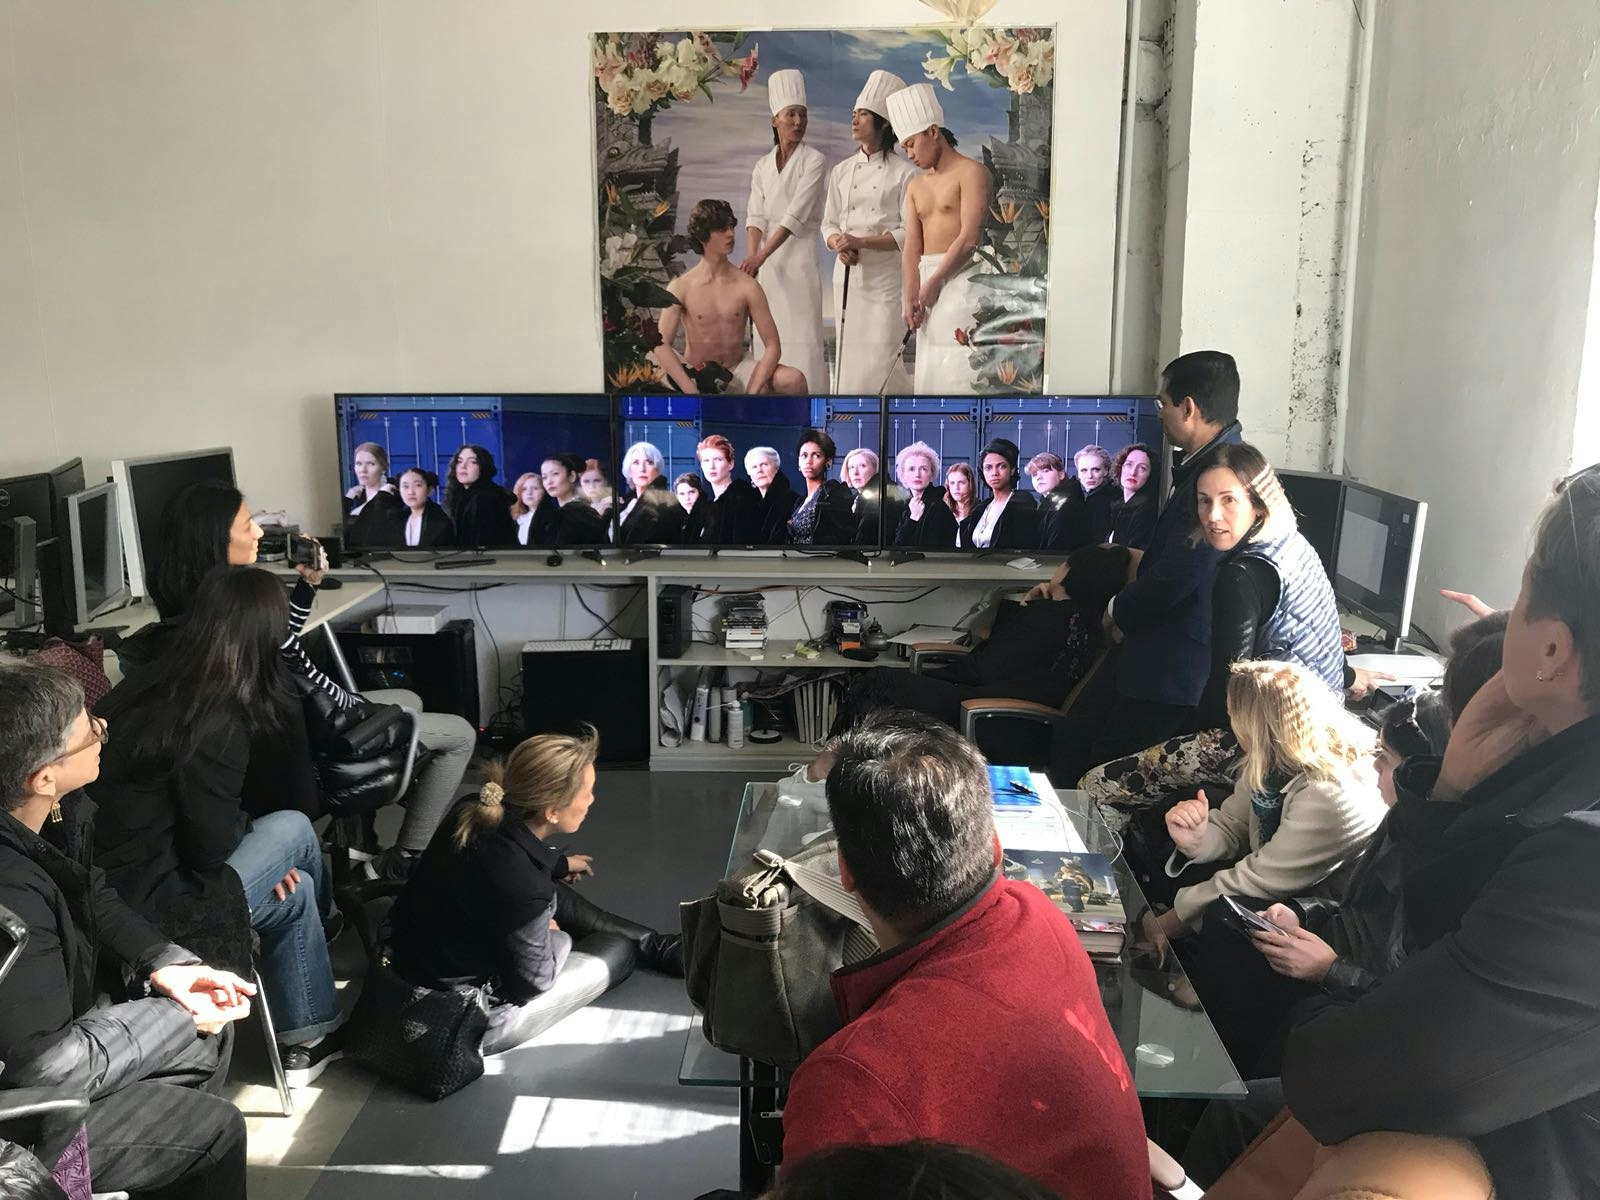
x,y
591,1109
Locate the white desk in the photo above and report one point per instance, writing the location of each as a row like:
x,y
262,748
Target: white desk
x,y
329,607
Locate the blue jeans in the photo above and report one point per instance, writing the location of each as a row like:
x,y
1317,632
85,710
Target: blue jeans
x,y
294,954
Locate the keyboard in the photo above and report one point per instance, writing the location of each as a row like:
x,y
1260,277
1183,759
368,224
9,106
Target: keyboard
x,y
571,645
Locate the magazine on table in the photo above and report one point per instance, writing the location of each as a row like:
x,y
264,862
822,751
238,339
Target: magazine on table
x,y
1083,886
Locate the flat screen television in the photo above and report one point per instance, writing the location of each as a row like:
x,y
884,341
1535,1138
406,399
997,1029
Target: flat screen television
x,y
936,466
1379,549
492,471
145,486
750,472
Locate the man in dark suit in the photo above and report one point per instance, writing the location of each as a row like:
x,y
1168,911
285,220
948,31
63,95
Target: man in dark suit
x,y
1147,688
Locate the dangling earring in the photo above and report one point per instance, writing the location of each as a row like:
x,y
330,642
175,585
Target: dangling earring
x,y
55,812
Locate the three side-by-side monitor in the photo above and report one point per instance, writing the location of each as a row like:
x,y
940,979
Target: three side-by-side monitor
x,y
533,472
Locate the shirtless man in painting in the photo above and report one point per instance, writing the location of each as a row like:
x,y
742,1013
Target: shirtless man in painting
x,y
945,208
716,301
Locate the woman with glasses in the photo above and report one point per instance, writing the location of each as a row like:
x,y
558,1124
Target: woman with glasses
x,y
149,1058
174,838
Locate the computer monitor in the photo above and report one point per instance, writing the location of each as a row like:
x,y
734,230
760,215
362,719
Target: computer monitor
x,y
42,497
402,441
94,558
735,472
144,488
1316,500
1379,547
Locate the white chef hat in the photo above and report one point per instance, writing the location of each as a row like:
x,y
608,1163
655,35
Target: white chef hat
x,y
913,109
875,95
785,88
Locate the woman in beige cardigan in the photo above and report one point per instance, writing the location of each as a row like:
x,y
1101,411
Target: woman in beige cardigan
x,y
1306,799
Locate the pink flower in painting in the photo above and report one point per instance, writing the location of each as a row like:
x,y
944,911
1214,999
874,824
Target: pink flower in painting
x,y
747,66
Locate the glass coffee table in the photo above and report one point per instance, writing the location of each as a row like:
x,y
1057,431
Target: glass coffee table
x,y
1168,1040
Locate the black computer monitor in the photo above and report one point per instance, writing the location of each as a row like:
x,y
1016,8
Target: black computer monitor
x,y
1379,547
144,488
42,497
1316,500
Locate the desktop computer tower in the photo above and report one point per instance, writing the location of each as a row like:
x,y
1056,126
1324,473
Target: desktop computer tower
x,y
440,667
602,683
674,619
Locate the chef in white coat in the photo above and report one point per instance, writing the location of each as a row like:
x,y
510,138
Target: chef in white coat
x,y
782,223
863,225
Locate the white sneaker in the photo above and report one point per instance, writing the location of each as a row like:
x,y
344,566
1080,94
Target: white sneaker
x,y
796,789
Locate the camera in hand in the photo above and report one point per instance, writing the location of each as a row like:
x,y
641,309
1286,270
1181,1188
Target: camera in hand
x,y
286,544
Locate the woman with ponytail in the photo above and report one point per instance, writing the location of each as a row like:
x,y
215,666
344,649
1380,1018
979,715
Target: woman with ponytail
x,y
491,900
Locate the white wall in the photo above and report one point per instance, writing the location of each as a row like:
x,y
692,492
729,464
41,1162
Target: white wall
x,y
1474,273
1261,96
214,216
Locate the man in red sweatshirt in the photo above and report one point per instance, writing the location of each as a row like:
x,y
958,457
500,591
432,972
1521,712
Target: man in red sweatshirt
x,y
979,1023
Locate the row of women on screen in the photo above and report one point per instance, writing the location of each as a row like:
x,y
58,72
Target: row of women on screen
x,y
567,502
927,506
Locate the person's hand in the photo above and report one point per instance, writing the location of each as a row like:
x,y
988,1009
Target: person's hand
x,y
1186,823
1160,928
1108,626
850,257
908,310
1051,589
1298,953
930,295
286,888
915,507
1282,916
315,575
1490,733
1365,681
355,492
213,997
579,864
1467,601
752,265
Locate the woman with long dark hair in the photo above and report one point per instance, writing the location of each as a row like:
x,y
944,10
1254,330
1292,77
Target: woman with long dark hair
x,y
207,525
573,521
823,517
480,507
174,837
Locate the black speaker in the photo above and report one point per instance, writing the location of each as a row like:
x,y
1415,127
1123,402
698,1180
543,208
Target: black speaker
x,y
440,667
674,619
567,684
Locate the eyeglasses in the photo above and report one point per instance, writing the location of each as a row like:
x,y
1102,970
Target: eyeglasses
x,y
99,735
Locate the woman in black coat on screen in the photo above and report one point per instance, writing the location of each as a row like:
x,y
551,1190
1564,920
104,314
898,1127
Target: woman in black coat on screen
x,y
925,520
1133,517
479,507
1008,519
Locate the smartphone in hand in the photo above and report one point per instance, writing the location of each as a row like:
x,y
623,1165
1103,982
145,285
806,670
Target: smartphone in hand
x,y
1251,918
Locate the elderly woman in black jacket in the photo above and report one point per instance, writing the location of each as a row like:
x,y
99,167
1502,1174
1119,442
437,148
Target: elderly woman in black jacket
x,y
490,902
174,836
650,513
137,1057
924,518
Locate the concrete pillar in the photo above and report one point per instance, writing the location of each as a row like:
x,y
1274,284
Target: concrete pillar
x,y
1259,112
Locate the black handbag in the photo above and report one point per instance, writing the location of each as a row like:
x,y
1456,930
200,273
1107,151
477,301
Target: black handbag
x,y
427,1040
760,952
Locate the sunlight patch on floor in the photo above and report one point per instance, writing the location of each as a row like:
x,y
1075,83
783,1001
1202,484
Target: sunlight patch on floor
x,y
568,1123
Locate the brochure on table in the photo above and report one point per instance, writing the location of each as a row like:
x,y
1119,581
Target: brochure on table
x,y
1032,819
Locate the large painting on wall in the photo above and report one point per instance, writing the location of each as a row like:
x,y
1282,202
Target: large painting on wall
x,y
824,211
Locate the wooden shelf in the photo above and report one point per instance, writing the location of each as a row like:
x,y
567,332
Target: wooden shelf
x,y
779,655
